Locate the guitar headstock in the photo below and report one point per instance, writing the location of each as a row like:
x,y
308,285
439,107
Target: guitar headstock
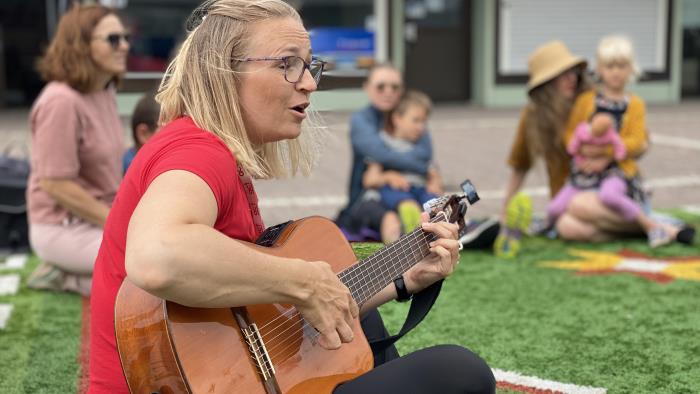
x,y
454,206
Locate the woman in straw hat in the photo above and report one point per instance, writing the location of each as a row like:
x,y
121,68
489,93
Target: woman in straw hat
x,y
559,92
557,77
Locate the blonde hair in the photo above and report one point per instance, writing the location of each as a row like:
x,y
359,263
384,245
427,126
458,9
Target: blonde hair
x,y
618,49
202,82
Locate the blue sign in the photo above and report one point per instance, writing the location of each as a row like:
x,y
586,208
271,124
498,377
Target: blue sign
x,y
342,46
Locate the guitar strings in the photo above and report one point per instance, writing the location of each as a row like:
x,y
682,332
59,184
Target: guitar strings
x,y
276,348
354,267
390,251
387,250
347,272
276,351
279,349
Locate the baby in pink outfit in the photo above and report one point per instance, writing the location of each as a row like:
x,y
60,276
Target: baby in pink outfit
x,y
599,132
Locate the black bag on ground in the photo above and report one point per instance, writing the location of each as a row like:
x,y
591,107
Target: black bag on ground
x,y
14,173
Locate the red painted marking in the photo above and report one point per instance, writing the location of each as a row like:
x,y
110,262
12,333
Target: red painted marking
x,y
660,278
671,259
525,389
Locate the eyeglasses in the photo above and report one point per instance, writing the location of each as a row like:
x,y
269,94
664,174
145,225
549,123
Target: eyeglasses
x,y
294,67
395,87
114,39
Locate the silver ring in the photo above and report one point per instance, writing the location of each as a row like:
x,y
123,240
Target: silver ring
x,y
460,245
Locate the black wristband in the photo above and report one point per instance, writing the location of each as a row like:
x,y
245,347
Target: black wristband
x,y
401,291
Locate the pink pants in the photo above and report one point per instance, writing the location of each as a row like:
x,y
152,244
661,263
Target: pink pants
x,y
612,193
72,248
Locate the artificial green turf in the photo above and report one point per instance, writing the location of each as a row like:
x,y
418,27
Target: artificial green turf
x,y
39,346
618,331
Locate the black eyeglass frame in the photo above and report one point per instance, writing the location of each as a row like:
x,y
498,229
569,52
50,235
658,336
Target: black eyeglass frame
x,y
285,59
114,39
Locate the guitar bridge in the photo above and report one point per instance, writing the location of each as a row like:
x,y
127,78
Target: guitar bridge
x,y
258,351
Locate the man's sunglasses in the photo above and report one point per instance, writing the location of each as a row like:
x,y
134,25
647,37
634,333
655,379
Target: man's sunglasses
x,y
383,85
114,39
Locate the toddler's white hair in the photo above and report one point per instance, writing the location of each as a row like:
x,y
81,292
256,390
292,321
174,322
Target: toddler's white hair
x,y
617,48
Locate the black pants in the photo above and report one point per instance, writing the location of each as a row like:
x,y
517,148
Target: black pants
x,y
439,369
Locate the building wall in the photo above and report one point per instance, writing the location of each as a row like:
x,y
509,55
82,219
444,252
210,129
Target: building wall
x,y
338,99
486,92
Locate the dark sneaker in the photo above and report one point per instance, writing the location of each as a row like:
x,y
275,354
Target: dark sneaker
x,y
480,233
686,235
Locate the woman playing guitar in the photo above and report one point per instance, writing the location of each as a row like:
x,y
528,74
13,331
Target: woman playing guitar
x,y
234,102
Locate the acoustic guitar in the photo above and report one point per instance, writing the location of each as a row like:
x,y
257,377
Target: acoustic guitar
x,y
167,348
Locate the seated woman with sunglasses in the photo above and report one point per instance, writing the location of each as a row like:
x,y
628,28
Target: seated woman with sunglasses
x,y
384,86
77,141
234,103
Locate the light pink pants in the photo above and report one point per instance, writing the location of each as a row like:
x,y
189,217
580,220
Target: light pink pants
x,y
70,247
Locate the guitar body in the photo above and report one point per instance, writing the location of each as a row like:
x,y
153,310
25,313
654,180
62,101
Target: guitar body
x,y
169,348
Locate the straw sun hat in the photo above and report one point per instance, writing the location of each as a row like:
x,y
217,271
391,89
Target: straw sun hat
x,y
550,60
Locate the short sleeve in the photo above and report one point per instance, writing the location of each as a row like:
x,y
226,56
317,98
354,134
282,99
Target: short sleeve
x,y
202,155
55,138
519,157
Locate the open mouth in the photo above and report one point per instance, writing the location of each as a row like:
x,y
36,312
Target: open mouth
x,y
301,108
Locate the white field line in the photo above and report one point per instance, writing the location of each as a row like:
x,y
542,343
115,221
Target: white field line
x,y
675,142
9,284
694,209
5,312
14,261
542,384
539,191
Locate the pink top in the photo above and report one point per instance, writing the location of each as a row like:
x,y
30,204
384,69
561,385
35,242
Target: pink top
x,y
583,135
74,136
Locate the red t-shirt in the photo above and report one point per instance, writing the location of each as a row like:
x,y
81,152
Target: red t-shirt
x,y
180,145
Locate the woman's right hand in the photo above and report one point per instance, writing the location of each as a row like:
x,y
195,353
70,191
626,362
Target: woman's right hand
x,y
330,308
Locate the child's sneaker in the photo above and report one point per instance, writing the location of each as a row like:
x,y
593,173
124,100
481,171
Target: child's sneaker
x,y
507,244
517,223
409,212
658,236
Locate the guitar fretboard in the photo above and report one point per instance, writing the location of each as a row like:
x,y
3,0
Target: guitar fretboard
x,y
367,277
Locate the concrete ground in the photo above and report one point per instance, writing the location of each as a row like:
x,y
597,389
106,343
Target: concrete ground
x,y
469,142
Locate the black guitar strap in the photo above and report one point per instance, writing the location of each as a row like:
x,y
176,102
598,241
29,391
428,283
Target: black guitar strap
x,y
420,306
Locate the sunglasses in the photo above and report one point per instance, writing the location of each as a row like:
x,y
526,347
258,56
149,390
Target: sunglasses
x,y
395,87
114,39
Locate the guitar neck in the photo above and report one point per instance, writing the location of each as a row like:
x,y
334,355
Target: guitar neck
x,y
367,277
